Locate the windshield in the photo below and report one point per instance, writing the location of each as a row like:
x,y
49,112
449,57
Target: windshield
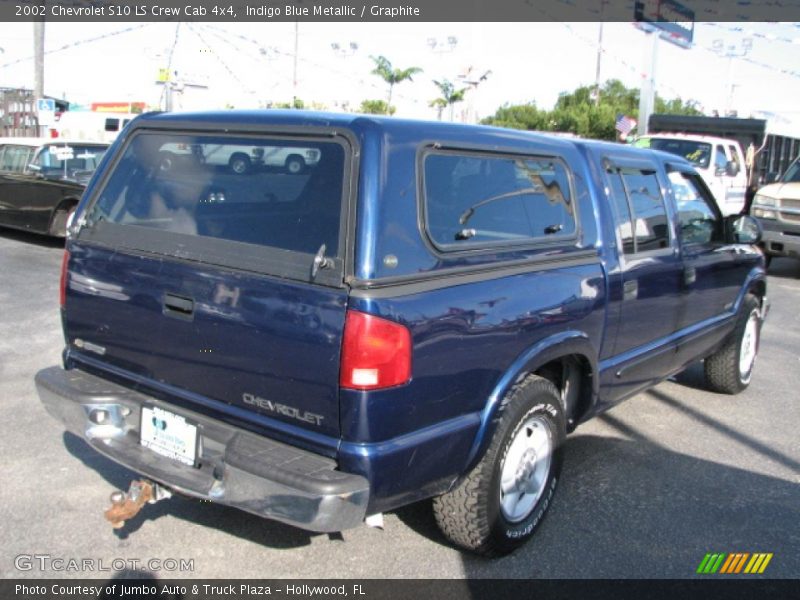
x,y
792,174
67,160
697,153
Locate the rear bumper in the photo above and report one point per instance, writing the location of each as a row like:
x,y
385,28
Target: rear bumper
x,y
234,467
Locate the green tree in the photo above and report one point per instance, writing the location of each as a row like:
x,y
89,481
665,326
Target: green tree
x,y
384,70
296,103
581,113
520,116
450,96
376,107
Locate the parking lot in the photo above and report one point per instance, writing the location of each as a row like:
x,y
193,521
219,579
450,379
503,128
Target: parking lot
x,y
648,489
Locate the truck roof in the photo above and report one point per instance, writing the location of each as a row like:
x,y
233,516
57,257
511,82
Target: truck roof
x,y
708,139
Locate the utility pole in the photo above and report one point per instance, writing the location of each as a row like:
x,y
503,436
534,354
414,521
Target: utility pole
x,y
731,52
38,63
294,73
647,91
597,69
599,54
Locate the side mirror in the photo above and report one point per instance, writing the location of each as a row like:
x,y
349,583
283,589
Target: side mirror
x,y
742,229
732,169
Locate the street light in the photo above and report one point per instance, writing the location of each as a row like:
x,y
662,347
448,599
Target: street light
x,y
344,50
473,80
441,46
730,52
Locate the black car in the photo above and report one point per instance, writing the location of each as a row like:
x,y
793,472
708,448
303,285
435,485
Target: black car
x,y
42,180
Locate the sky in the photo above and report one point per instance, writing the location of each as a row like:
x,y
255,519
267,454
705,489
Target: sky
x,y
249,65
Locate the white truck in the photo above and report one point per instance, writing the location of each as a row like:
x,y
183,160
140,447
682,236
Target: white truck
x,y
719,161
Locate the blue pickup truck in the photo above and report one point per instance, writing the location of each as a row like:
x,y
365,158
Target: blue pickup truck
x,y
423,312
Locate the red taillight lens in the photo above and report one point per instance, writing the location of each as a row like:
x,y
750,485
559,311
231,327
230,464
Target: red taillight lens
x,y
62,297
376,353
54,133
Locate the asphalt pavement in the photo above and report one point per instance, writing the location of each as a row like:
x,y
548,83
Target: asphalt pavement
x,y
648,488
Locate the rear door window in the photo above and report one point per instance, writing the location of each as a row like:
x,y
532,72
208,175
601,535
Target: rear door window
x,y
476,200
699,219
223,196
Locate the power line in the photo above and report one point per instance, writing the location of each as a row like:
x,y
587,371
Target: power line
x,y
169,65
327,68
218,57
78,43
754,34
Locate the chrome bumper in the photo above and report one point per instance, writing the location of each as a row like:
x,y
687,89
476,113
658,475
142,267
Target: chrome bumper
x,y
234,467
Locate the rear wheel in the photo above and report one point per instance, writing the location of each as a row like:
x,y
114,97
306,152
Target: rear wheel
x,y
730,368
58,226
497,507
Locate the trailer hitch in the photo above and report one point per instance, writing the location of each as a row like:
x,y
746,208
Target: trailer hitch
x,y
125,506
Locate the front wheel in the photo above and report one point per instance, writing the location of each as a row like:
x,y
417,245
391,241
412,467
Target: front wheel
x,y
239,163
295,164
497,507
730,368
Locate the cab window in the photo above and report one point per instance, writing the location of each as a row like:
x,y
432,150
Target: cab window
x,y
720,160
476,200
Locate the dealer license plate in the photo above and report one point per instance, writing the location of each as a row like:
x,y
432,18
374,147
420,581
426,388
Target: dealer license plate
x,y
169,435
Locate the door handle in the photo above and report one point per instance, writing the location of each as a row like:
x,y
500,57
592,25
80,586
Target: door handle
x,y
630,290
179,307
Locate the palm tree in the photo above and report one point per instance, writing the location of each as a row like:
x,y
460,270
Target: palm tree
x,y
450,95
383,69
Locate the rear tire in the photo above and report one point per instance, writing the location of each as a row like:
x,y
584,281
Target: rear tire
x,y
729,369
498,506
58,226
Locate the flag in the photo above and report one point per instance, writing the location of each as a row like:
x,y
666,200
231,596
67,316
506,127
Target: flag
x,y
625,124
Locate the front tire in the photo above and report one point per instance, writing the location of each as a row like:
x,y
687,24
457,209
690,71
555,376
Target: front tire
x,y
729,369
295,164
239,163
498,506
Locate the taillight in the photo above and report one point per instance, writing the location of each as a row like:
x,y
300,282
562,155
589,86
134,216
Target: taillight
x,y
376,353
54,133
63,284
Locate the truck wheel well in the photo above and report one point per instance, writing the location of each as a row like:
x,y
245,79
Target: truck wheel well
x,y
59,219
759,290
572,376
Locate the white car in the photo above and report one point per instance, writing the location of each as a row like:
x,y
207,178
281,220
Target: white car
x,y
241,159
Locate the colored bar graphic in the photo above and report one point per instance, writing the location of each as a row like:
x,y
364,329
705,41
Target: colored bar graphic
x,y
741,562
729,563
703,563
765,563
733,563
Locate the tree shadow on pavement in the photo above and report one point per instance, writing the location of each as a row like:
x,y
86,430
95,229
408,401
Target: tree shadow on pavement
x,y
630,508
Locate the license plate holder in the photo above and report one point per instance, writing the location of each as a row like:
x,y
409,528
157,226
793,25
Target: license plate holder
x,y
169,435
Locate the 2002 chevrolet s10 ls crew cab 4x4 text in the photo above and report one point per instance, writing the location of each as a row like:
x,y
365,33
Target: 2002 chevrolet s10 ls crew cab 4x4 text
x,y
425,311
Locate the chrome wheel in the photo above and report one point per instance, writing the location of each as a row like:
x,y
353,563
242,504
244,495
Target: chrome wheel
x,y
525,469
748,347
